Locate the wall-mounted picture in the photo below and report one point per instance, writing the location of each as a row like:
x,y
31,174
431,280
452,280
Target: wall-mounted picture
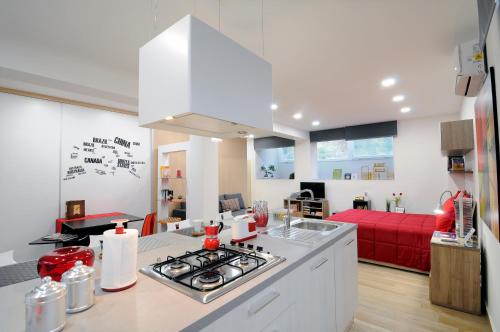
x,y
75,209
487,153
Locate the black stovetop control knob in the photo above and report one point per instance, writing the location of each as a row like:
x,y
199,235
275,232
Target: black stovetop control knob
x,y
250,246
241,245
259,248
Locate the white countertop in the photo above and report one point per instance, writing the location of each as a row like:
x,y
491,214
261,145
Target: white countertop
x,y
152,306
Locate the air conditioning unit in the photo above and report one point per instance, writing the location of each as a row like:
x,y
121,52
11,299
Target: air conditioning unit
x,y
469,67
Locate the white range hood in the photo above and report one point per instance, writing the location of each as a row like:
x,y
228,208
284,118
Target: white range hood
x,y
195,80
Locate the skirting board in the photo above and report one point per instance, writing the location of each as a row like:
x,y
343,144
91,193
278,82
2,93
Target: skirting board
x,y
492,322
394,266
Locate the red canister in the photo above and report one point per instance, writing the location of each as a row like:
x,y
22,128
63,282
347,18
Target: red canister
x,y
58,261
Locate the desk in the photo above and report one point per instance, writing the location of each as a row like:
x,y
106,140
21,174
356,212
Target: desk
x,y
95,226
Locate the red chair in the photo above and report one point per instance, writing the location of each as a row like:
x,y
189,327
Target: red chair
x,y
149,224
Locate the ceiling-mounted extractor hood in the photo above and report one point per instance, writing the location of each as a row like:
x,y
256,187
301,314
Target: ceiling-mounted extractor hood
x,y
195,80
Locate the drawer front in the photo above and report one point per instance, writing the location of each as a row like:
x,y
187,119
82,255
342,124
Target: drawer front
x,y
267,305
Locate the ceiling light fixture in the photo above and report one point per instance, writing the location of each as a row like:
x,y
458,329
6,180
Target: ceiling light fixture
x,y
405,109
398,98
390,81
315,123
169,118
297,116
274,107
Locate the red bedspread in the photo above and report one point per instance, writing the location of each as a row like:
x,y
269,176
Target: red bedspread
x,y
396,238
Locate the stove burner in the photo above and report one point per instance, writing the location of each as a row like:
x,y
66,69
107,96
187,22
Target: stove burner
x,y
209,277
244,260
177,265
212,256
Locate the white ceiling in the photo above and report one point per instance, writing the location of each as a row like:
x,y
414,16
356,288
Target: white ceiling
x,y
328,57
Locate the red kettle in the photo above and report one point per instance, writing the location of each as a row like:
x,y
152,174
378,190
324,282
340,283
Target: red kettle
x,y
212,231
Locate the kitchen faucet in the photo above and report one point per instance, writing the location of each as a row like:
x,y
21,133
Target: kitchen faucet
x,y
288,216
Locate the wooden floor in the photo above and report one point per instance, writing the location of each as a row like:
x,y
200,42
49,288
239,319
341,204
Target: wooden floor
x,y
395,300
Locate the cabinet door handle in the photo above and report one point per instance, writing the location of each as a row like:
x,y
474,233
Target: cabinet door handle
x,y
262,303
348,243
321,262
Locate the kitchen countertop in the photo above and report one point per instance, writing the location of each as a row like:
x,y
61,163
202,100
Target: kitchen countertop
x,y
152,306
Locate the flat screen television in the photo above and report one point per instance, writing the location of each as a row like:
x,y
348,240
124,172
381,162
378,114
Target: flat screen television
x,y
485,10
318,189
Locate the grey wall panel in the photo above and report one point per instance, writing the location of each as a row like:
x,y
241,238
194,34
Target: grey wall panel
x,y
371,130
272,142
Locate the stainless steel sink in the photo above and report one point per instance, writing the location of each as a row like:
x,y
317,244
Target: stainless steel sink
x,y
315,226
304,231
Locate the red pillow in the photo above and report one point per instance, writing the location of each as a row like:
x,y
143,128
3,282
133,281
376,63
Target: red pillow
x,y
446,222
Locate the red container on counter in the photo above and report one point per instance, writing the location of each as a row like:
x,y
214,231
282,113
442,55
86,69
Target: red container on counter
x,y
261,219
58,261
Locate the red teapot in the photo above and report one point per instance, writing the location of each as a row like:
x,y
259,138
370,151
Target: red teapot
x,y
212,231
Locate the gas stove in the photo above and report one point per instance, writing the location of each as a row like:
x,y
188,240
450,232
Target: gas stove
x,y
205,275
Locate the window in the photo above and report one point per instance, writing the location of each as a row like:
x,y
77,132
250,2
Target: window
x,y
286,155
275,163
357,149
364,159
373,147
333,150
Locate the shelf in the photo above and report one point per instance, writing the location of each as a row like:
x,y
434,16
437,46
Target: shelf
x,y
460,172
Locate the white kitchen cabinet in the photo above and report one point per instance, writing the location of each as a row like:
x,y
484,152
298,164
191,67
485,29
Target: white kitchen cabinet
x,y
264,310
316,292
285,322
346,281
319,295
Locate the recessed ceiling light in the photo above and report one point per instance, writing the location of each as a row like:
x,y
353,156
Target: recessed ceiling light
x,y
398,98
315,123
168,118
390,81
274,107
297,116
405,109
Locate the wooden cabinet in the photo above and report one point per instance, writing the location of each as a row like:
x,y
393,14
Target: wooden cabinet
x,y
304,208
455,278
346,281
358,204
457,137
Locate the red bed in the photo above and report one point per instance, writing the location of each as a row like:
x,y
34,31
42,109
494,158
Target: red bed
x,y
392,238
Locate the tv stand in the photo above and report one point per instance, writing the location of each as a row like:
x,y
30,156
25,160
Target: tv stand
x,y
304,207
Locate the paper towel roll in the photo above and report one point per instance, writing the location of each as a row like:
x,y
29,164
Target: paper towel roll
x,y
119,260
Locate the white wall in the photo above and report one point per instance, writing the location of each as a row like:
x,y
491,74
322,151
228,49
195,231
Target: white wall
x,y
122,189
38,69
420,172
29,172
37,141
